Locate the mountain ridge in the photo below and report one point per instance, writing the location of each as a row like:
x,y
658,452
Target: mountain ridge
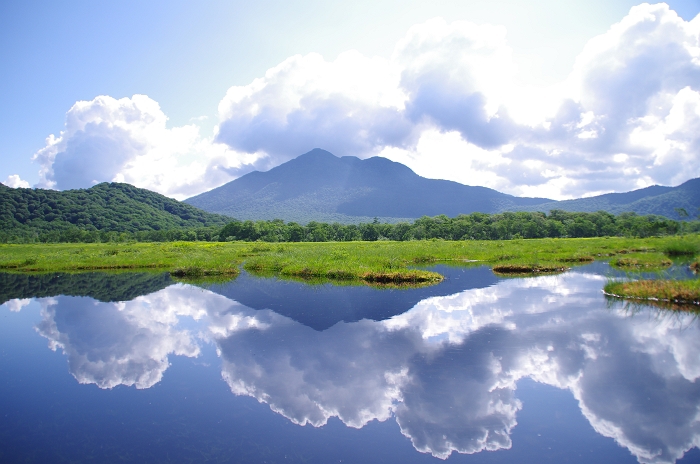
x,y
655,199
318,186
321,187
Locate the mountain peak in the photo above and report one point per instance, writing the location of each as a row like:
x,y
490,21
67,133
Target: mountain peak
x,y
316,153
319,186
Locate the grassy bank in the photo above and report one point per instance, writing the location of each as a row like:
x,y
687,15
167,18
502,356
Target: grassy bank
x,y
376,262
683,292
183,259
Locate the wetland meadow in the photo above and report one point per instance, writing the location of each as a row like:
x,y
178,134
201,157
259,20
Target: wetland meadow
x,y
379,262
264,352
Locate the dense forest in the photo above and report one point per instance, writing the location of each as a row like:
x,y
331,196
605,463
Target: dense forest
x,y
475,226
100,213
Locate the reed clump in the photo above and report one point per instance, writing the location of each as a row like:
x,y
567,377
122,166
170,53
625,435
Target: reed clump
x,y
681,248
642,262
402,277
527,269
578,259
684,292
198,271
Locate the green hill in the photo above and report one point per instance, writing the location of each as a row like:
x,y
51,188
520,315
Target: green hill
x,y
106,207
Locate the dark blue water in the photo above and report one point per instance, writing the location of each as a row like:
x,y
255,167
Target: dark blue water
x,y
137,368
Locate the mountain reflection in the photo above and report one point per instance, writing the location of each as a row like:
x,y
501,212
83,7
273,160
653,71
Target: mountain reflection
x,y
446,370
101,286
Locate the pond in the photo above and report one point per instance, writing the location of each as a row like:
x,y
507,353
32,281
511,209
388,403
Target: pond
x,y
136,367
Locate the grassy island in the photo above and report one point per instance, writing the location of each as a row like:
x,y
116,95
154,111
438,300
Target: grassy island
x,y
682,292
379,262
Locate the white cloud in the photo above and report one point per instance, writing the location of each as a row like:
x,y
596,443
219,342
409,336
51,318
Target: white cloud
x,y
17,304
15,181
470,164
351,106
450,105
449,102
127,140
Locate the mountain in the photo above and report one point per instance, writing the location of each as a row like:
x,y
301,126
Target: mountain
x,y
104,207
318,186
662,201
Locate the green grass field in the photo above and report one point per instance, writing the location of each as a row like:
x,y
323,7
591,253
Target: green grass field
x,y
180,258
380,262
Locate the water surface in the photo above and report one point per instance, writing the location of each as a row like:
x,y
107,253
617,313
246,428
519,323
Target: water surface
x,y
136,367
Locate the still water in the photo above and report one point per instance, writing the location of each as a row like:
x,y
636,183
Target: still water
x,y
477,369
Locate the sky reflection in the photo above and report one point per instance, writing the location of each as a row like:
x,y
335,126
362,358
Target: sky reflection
x,y
447,370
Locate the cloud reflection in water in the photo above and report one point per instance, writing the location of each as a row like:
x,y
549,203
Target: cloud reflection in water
x,y
446,370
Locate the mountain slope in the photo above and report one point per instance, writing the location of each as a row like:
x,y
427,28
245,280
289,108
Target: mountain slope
x,y
319,186
105,207
658,200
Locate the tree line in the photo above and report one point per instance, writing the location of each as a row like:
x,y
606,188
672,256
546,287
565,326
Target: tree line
x,y
475,226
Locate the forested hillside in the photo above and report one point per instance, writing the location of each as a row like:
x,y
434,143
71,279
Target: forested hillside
x,y
106,208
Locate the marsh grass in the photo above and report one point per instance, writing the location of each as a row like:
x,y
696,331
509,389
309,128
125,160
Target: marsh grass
x,y
381,262
645,261
180,258
527,269
578,259
199,271
681,248
680,292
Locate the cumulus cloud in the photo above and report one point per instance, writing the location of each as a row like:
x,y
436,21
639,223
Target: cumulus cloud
x,y
351,106
15,181
449,103
127,140
631,104
17,304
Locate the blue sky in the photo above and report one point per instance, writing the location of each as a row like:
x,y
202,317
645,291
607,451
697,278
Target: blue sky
x,y
424,83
